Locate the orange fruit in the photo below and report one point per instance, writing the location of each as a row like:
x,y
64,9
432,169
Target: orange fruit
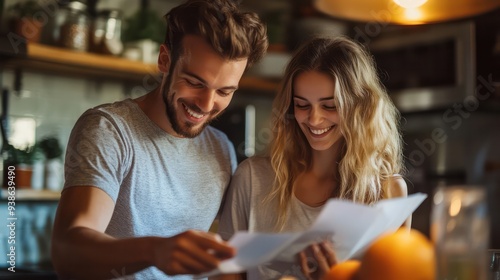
x,y
343,271
405,254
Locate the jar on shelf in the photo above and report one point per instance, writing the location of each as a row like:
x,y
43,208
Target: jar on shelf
x,y
75,26
106,32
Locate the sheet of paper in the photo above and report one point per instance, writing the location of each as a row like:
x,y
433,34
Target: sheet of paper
x,y
351,226
253,249
391,214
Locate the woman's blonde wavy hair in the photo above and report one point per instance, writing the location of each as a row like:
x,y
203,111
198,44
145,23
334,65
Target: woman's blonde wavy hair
x,y
369,122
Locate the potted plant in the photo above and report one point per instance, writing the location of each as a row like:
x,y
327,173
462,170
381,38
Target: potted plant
x,y
22,160
53,162
24,21
143,32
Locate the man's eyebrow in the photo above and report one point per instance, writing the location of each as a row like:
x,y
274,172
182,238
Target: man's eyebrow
x,y
321,99
204,82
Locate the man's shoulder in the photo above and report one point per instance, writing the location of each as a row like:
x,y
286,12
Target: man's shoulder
x,y
116,112
116,108
214,132
214,136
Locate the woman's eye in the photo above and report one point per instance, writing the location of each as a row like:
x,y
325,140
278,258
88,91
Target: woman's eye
x,y
331,108
299,106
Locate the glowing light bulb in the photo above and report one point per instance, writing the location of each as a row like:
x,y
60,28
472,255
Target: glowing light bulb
x,y
413,14
410,4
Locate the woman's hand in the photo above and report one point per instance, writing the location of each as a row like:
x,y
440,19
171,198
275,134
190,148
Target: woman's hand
x,y
316,265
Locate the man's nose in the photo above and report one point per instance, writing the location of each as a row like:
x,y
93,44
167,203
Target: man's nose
x,y
206,100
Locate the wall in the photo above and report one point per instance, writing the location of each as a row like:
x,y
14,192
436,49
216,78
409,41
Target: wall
x,y
53,104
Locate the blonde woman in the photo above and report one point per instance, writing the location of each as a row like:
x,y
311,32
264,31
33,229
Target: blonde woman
x,y
335,136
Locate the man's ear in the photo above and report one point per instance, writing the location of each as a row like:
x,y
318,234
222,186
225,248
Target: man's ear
x,y
164,59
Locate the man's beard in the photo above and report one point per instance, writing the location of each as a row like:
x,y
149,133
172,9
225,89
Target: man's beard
x,y
170,110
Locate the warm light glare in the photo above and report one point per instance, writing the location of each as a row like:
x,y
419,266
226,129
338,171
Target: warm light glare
x,y
397,11
455,206
413,14
410,4
22,132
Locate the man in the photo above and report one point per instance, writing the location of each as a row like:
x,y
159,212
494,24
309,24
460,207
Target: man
x,y
145,177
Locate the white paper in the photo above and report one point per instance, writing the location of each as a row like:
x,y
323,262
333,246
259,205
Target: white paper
x,y
352,227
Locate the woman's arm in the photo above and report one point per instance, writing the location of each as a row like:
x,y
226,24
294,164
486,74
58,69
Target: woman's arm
x,y
397,188
235,211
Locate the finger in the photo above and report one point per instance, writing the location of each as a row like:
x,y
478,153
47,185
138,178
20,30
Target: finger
x,y
320,257
192,265
225,254
188,244
304,266
214,245
204,247
174,268
329,252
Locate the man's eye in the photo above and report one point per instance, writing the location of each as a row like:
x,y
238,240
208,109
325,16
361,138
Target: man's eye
x,y
225,93
194,84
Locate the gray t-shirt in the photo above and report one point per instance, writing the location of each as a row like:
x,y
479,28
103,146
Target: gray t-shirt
x,y
245,208
161,185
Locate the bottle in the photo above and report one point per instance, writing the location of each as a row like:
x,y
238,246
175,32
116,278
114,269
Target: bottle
x,y
495,265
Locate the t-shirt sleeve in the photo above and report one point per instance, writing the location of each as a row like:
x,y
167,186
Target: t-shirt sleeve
x,y
95,154
229,146
236,208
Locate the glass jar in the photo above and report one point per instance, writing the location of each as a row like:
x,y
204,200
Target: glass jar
x,y
106,33
494,264
460,231
74,30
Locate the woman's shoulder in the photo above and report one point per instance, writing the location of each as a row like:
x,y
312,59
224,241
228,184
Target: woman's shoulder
x,y
256,168
395,187
258,163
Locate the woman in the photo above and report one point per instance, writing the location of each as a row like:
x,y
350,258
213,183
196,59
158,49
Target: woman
x,y
335,136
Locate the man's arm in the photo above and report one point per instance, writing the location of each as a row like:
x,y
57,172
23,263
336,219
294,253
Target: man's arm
x,y
81,249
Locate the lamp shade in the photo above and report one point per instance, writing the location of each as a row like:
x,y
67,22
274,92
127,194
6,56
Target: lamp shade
x,y
430,11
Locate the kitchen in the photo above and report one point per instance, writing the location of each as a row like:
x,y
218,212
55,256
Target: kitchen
x,y
448,122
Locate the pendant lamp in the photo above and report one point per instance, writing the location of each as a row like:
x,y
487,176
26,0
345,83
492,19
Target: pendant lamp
x,y
405,12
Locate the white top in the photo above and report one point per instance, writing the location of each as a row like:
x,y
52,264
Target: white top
x,y
245,209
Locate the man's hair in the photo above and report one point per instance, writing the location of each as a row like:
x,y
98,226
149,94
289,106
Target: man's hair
x,y
231,33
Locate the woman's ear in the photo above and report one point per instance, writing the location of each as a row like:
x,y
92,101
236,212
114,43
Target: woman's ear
x,y
164,59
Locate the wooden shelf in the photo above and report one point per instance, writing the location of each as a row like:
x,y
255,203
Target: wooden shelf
x,y
67,62
30,194
63,61
259,83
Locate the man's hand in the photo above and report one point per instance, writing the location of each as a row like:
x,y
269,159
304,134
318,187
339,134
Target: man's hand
x,y
191,252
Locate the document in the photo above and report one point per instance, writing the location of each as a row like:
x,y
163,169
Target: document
x,y
352,227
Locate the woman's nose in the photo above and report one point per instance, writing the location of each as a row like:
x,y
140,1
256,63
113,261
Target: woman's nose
x,y
315,117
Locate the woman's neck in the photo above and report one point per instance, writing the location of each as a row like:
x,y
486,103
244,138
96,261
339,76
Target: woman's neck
x,y
316,185
325,163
